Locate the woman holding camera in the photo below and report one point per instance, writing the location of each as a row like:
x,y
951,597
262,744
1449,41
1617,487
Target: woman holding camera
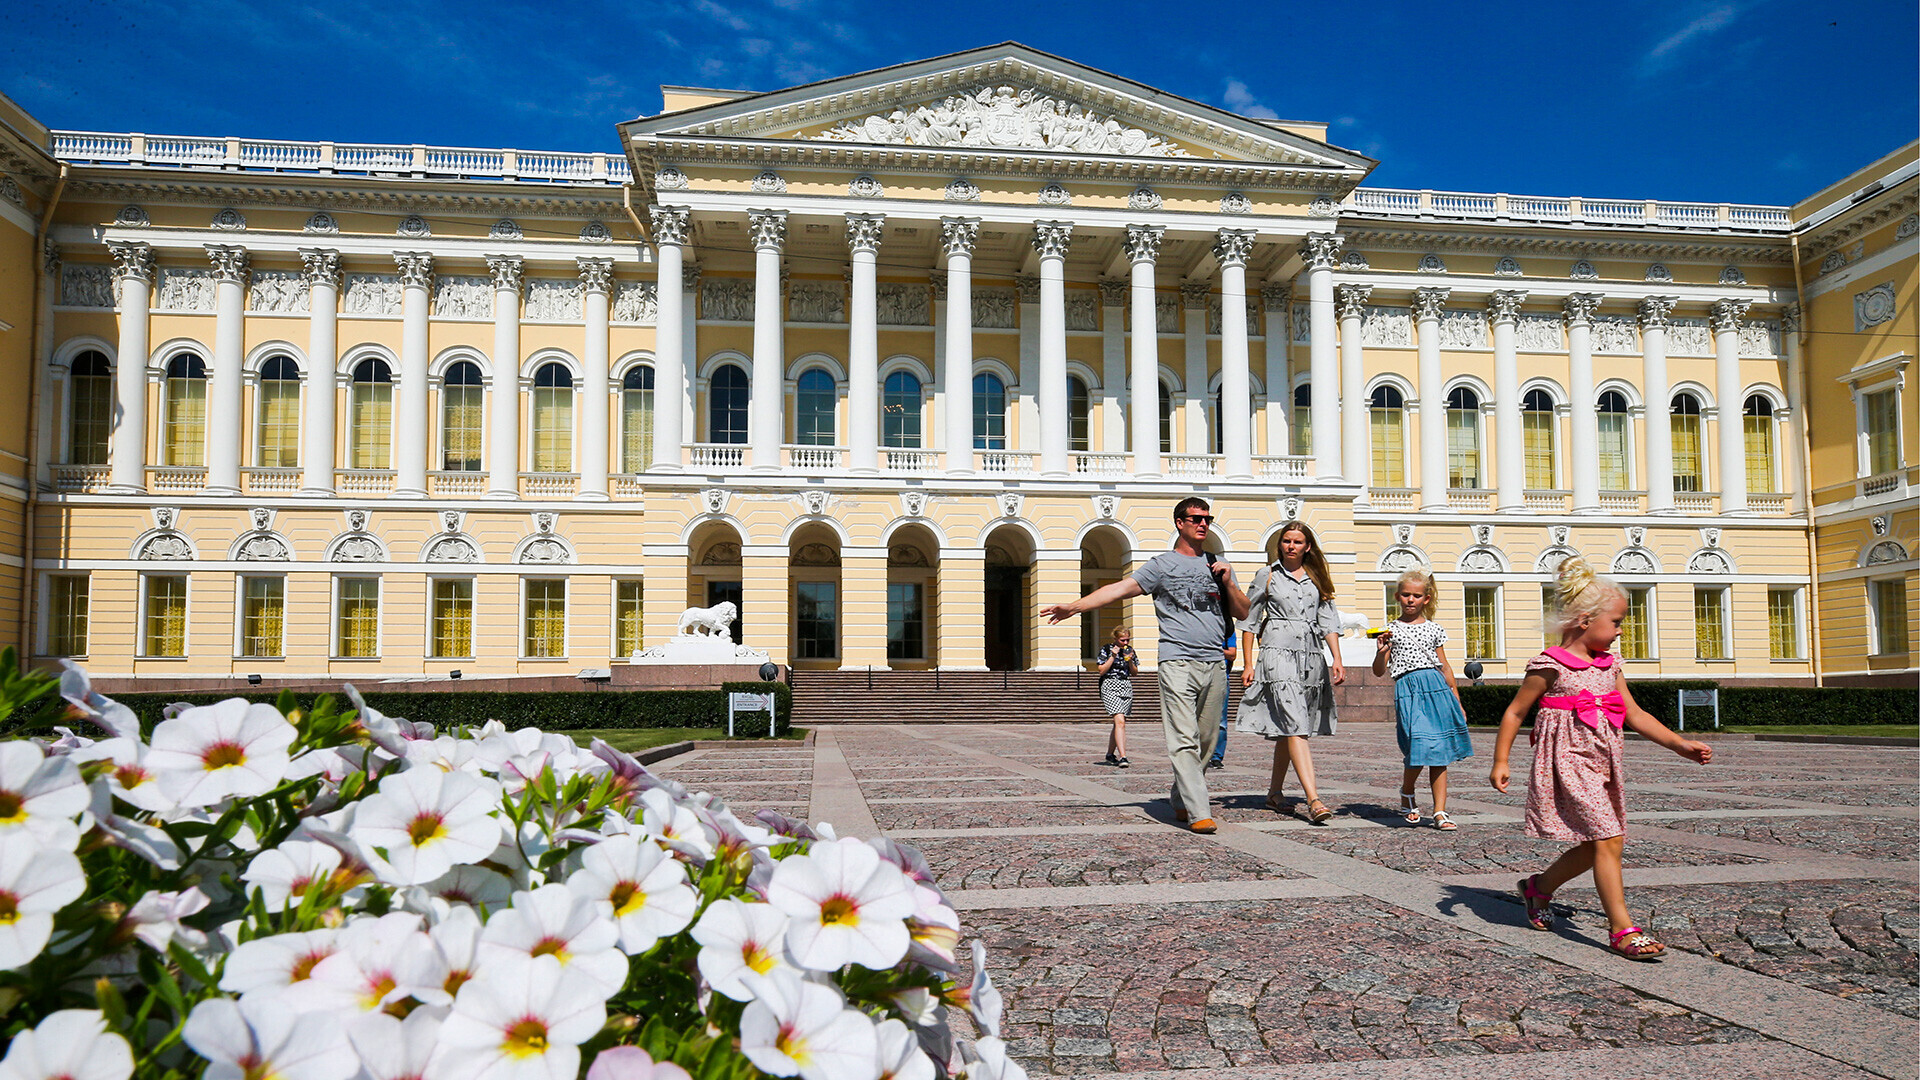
x,y
1118,663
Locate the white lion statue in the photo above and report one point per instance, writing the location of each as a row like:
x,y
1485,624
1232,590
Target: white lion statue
x,y
709,621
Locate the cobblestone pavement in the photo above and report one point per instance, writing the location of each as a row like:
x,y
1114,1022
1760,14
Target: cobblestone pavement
x,y
1783,879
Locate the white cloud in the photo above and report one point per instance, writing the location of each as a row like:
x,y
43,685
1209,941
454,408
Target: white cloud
x,y
1241,100
1707,23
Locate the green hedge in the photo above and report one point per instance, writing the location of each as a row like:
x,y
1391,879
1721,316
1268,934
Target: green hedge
x,y
1739,705
548,710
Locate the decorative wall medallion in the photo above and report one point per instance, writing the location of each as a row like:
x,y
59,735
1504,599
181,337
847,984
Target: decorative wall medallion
x,y
963,190
769,183
1879,526
321,223
1508,266
1236,202
1480,561
358,549
1010,503
1403,534
1323,207
413,226
229,220
670,178
131,216
1054,195
1583,271
166,547
1145,198
262,518
1401,559
164,517
1550,560
1634,562
505,229
1834,261
1432,264
722,553
1909,226
262,547
357,520
1290,509
450,520
544,521
545,549
1559,533
1733,275
1636,536
10,191
1886,551
1711,536
1873,307
1659,272
913,502
714,499
1355,260
1009,118
453,549
1105,505
816,502
1710,561
906,555
595,232
816,554
865,187
1483,534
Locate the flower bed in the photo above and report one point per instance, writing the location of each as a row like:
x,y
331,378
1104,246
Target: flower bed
x,y
325,894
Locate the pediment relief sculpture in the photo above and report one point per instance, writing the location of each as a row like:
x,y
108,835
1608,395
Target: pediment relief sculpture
x,y
1006,118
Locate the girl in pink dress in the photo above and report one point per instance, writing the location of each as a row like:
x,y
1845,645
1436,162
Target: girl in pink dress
x,y
1576,790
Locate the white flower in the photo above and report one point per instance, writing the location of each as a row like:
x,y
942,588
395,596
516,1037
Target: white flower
x,y
72,1044
524,1019
983,999
918,1005
631,1063
284,874
35,882
847,906
130,778
82,702
738,939
392,1049
675,825
233,748
797,1028
935,929
155,919
40,795
474,885
457,938
898,1055
276,962
987,1060
375,962
554,921
259,1038
427,821
649,892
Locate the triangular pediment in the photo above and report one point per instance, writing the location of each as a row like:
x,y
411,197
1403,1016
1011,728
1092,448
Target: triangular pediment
x,y
1000,98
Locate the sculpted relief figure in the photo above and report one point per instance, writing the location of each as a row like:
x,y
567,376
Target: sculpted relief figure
x,y
82,285
636,302
817,301
463,298
1004,117
280,291
373,294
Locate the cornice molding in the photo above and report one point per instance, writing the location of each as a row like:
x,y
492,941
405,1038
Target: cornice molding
x,y
1654,247
1868,215
396,196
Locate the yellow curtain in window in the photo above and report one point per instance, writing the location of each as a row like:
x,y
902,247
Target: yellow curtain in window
x,y
1389,448
1883,434
636,430
627,618
460,426
1302,432
1686,453
1613,452
166,616
186,442
1536,440
372,425
92,420
546,634
279,424
1783,625
1890,617
1634,634
67,621
1709,625
1482,634
1759,432
359,617
263,617
552,429
1463,448
452,619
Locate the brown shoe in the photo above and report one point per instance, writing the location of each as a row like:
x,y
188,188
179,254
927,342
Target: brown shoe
x,y
1204,825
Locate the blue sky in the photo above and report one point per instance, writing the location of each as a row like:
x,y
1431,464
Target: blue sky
x,y
1727,100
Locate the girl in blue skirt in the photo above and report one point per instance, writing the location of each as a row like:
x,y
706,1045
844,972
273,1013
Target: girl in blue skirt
x,y
1432,725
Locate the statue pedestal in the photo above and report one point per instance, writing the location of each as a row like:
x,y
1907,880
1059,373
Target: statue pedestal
x,y
701,649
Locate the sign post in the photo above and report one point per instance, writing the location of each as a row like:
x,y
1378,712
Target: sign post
x,y
751,703
1700,699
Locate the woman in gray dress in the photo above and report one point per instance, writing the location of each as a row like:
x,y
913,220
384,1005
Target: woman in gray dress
x,y
1289,683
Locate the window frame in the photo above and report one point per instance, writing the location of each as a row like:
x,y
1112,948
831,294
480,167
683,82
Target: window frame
x,y
260,410
144,648
478,390
1652,623
920,600
526,616
620,584
1723,596
1452,411
169,408
985,416
1496,647
834,588
433,614
49,623
1770,439
336,632
1695,482
1302,434
1876,620
1626,439
104,406
548,400
648,399
714,405
894,425
1080,416
242,640
1377,413
1796,609
379,458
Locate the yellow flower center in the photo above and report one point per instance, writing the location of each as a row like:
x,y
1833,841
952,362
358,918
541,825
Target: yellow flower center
x,y
425,829
839,911
526,1038
791,1044
223,755
377,990
9,908
455,980
303,967
253,1068
131,776
757,957
553,947
627,898
13,808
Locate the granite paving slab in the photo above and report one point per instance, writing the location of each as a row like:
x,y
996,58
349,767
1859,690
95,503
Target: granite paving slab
x,y
1054,861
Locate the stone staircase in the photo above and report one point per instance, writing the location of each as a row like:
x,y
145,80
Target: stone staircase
x,y
881,696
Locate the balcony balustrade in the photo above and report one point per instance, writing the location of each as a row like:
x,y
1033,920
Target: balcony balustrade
x,y
262,480
363,481
549,485
172,478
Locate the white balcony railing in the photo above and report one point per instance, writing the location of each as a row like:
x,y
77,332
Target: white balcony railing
x,y
718,455
1189,465
1694,502
1086,464
1288,468
1771,503
816,458
176,478
265,481
1621,502
627,486
363,481
902,459
1393,498
338,159
1879,485
549,485
1545,499
461,482
1480,206
81,478
1469,499
1005,461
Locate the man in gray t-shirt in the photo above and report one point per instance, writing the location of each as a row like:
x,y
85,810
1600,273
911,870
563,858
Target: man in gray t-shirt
x,y
1193,596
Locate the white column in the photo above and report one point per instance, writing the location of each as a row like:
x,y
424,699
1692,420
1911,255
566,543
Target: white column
x,y
1585,419
689,356
1657,416
1025,435
1193,333
1320,250
226,418
1050,241
1350,302
411,417
1795,435
133,273
1433,399
596,282
322,267
1276,299
1231,248
503,440
1510,469
1113,365
669,351
1143,247
766,417
1730,396
957,237
864,232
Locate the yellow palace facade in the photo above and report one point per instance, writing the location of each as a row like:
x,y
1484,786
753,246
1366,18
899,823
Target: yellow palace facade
x,y
890,360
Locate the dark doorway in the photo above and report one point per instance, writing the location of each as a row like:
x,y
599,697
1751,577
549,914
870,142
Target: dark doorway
x,y
1006,621
728,592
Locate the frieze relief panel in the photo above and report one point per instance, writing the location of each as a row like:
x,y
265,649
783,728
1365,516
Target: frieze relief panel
x,y
897,304
1302,325
1538,332
1083,310
278,292
1007,118
993,309
1461,329
553,300
1615,334
86,285
636,302
183,289
817,302
372,294
1166,314
726,299
1689,337
463,298
1761,338
1214,316
1387,327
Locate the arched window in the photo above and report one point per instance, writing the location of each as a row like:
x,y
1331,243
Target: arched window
x,y
1757,421
462,418
1463,438
185,433
1536,440
727,405
370,442
1166,419
989,412
90,408
278,410
1079,406
636,420
1615,445
552,419
900,410
815,399
1688,468
1303,419
1387,419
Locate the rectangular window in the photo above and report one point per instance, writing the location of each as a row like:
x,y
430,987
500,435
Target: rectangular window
x,y
1889,600
1636,634
1536,440
1783,623
552,429
67,598
186,436
627,616
1549,634
1686,452
1613,451
1389,606
1482,606
1710,624
906,621
166,615
461,422
92,416
279,424
1389,448
1463,448
1759,437
372,435
452,618
636,430
263,602
358,634
546,633
1302,431
1882,411
816,621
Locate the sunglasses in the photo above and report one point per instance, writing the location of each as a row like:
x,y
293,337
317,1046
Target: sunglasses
x,y
1199,519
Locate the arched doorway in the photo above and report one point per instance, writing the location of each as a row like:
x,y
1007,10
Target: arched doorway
x,y
1104,553
813,562
1009,568
714,573
913,569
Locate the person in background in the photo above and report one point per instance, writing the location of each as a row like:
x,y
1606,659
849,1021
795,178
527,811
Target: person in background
x,y
1431,725
1118,664
1289,680
1230,649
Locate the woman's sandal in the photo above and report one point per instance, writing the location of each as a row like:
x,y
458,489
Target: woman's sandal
x,y
1443,822
1317,812
1410,806
1277,803
1635,944
1539,904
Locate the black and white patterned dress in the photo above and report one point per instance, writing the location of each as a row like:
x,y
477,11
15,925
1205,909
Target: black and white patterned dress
x,y
1116,683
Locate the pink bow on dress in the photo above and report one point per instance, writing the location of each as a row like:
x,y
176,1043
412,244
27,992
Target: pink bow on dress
x,y
1588,707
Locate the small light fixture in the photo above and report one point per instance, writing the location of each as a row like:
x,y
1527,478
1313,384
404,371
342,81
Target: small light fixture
x,y
1474,670
454,674
253,680
769,671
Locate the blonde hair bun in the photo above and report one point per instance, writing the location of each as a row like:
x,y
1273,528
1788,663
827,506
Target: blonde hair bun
x,y
1580,593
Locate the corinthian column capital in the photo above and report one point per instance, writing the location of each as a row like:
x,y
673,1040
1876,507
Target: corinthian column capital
x,y
132,261
1113,291
1428,302
416,269
1275,296
1503,306
1194,294
1232,246
1350,301
1029,288
864,231
1790,317
1051,239
596,275
1656,312
506,270
1579,308
670,224
769,228
958,235
1143,242
1322,250
320,266
1725,315
229,263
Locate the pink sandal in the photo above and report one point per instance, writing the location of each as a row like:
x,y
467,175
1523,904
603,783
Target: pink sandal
x,y
1539,904
1635,944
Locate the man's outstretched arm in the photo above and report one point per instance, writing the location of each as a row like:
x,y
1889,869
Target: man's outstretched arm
x,y
1098,598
